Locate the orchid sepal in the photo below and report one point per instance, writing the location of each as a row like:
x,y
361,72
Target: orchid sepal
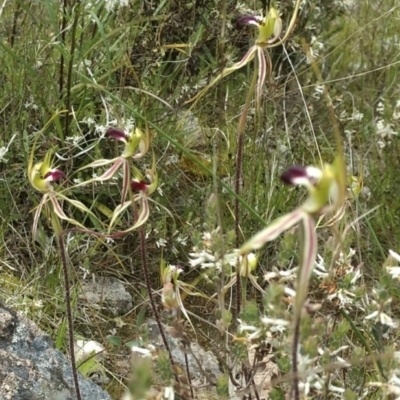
x,y
273,230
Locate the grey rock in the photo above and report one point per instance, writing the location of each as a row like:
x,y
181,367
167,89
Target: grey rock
x,y
207,360
108,293
31,368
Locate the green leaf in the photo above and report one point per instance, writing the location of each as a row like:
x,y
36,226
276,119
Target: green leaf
x,y
114,340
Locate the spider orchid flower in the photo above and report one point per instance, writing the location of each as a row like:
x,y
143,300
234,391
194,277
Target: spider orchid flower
x,y
136,146
141,192
326,188
269,31
41,176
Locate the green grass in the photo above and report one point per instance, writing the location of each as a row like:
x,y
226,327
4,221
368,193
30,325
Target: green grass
x,y
143,63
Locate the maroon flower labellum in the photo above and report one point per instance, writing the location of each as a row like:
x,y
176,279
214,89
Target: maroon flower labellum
x,y
305,176
294,173
138,186
249,20
54,175
117,134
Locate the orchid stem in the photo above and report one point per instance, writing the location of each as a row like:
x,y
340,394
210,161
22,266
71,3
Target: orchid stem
x,y
295,379
67,295
238,179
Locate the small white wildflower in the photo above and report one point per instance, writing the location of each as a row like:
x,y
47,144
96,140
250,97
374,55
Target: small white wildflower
x,y
384,129
381,317
77,180
174,159
112,4
318,90
275,324
320,269
380,108
100,129
110,241
283,275
201,258
344,296
160,191
88,121
182,240
38,303
161,243
357,116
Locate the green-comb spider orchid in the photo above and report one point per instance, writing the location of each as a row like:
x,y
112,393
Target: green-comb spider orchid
x,y
326,189
136,146
269,35
41,176
141,191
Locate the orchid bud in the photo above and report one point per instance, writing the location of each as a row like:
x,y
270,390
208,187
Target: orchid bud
x,y
248,264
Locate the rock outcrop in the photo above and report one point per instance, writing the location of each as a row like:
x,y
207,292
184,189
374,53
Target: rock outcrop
x,y
31,368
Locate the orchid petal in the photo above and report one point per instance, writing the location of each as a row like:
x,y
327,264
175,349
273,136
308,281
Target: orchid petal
x,y
142,218
309,255
60,213
126,173
37,215
77,204
108,174
111,171
262,73
144,145
277,26
245,60
273,230
133,142
99,163
118,211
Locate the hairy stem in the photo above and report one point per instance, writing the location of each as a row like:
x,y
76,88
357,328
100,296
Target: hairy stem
x,y
238,179
67,295
295,378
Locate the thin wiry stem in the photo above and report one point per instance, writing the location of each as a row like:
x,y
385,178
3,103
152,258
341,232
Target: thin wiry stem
x,y
67,295
238,179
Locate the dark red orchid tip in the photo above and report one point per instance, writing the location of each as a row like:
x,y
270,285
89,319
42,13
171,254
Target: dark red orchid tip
x,y
116,134
54,175
138,186
293,173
